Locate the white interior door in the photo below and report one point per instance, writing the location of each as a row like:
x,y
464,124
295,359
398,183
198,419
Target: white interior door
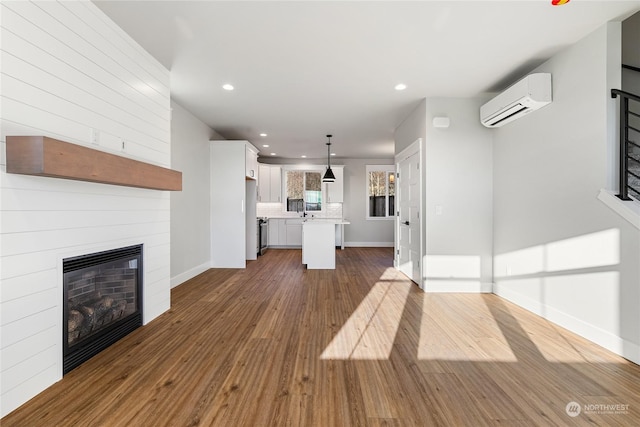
x,y
407,222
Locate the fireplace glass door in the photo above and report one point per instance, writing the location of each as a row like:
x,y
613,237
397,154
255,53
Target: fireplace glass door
x,y
103,296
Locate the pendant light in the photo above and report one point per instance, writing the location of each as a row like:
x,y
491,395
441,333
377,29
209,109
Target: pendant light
x,y
328,175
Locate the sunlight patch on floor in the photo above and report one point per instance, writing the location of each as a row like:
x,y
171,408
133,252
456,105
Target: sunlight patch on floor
x,y
371,330
447,332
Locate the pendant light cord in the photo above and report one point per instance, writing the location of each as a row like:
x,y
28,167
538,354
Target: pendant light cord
x,y
329,152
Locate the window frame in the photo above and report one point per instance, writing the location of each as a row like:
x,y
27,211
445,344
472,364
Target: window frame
x,y
303,168
379,168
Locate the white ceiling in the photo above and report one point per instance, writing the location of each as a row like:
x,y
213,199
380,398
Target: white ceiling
x,y
303,69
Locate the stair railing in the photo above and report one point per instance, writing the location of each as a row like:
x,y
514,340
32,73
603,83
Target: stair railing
x,y
631,67
629,160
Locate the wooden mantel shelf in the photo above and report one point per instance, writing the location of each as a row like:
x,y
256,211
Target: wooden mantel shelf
x,y
44,156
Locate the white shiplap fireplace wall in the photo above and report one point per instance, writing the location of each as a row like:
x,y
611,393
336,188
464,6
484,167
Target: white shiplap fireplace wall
x,y
67,70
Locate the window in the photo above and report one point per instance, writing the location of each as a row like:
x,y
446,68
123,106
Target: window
x,y
304,191
381,191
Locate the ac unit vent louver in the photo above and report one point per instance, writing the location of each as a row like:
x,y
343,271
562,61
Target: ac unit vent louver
x,y
529,94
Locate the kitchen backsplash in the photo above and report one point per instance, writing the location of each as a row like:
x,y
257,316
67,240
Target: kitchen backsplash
x,y
274,210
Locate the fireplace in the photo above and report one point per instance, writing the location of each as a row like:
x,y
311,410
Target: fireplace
x,y
102,301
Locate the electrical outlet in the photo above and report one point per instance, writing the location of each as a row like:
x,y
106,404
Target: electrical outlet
x,y
94,137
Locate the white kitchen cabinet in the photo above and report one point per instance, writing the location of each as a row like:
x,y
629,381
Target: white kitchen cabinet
x,y
285,232
294,232
335,190
251,161
274,232
282,232
289,232
264,183
269,183
276,184
233,205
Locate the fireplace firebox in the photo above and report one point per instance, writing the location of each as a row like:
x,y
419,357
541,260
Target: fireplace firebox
x,y
102,301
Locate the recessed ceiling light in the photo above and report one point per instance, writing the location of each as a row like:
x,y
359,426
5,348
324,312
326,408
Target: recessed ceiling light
x,y
265,145
263,134
273,154
227,86
333,154
400,86
303,156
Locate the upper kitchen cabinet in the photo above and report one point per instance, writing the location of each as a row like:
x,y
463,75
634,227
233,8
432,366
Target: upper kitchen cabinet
x,y
251,161
269,183
233,204
335,190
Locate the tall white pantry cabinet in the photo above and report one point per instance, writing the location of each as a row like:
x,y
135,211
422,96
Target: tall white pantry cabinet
x,y
233,203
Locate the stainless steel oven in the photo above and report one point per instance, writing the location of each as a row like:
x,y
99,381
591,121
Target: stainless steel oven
x,y
263,235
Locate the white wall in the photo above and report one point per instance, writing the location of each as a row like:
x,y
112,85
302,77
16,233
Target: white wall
x,y
67,69
458,184
559,251
190,211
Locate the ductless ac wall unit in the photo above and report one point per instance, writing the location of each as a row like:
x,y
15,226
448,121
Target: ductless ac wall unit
x,y
529,94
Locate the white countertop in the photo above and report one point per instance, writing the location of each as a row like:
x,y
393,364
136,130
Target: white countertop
x,y
336,221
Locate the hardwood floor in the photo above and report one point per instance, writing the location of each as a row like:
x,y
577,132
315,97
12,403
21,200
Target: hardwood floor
x,y
277,345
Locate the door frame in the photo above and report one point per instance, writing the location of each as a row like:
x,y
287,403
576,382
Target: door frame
x,y
416,146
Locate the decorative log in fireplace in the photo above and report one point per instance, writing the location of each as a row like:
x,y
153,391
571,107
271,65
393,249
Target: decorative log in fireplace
x,y
102,301
89,316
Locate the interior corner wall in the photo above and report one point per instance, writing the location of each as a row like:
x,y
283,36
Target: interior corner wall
x,y
190,209
456,206
558,250
458,199
412,128
68,72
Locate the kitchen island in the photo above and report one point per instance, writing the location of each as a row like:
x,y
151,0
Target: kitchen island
x,y
318,243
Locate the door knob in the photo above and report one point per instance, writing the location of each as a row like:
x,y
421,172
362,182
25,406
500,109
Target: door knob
x,y
406,223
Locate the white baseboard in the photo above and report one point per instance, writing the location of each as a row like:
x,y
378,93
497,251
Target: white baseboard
x,y
611,342
369,244
189,274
